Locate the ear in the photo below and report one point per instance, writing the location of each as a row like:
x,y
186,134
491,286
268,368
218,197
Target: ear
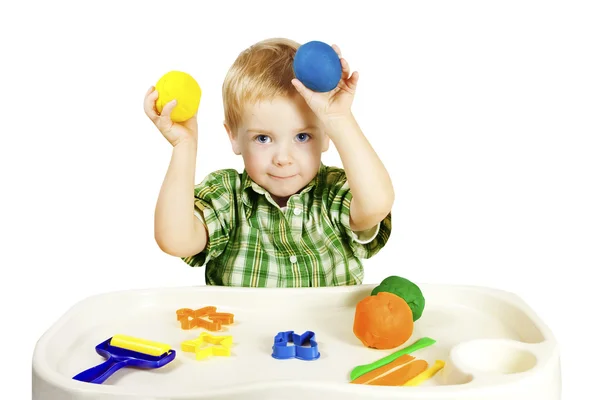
x,y
233,139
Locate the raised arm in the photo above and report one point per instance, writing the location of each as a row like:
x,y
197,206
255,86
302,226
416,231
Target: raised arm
x,y
370,183
177,230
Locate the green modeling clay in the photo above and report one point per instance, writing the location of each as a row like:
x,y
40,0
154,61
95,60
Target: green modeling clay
x,y
407,290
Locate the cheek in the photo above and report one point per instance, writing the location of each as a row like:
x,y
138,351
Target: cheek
x,y
307,156
255,158
315,149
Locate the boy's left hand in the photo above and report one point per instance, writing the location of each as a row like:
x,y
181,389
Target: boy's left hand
x,y
336,103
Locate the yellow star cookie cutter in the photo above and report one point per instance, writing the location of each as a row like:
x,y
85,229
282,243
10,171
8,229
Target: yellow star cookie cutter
x,y
207,345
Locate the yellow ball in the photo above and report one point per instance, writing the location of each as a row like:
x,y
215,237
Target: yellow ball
x,y
183,87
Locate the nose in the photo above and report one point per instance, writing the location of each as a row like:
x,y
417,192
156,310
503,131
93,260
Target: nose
x,y
282,156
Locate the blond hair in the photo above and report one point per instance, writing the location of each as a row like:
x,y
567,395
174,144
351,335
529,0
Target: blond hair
x,y
262,71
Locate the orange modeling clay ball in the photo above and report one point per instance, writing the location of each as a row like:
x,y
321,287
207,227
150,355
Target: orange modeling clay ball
x,y
383,321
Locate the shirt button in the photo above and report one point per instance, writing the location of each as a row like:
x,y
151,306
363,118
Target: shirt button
x,y
297,211
293,259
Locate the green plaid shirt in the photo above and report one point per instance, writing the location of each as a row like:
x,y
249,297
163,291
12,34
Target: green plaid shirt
x,y
253,242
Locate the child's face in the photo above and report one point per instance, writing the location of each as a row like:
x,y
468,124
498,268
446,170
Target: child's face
x,y
281,142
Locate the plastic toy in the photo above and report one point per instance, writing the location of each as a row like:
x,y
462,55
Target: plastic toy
x,y
190,319
400,376
318,66
423,376
221,346
282,351
377,372
383,321
126,351
398,369
182,87
406,289
363,369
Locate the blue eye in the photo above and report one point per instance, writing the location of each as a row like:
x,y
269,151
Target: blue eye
x,y
262,138
303,137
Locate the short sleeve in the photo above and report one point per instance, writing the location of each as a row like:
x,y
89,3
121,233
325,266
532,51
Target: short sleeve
x,y
213,206
363,244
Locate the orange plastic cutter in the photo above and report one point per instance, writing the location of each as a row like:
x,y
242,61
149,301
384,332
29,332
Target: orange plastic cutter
x,y
205,317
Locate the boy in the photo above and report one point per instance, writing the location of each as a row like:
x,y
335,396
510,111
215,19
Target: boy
x,y
287,220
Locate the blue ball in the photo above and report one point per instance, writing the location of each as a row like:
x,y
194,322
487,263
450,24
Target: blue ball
x,y
318,66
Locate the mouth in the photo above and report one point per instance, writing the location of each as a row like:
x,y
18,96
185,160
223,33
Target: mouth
x,y
281,177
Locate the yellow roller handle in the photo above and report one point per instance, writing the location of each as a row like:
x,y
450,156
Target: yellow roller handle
x,y
140,345
423,376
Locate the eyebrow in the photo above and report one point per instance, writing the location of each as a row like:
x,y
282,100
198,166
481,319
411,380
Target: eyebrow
x,y
266,132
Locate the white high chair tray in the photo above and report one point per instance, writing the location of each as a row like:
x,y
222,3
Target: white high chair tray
x,y
493,345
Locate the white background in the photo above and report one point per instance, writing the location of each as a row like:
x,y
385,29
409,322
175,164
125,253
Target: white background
x,y
485,113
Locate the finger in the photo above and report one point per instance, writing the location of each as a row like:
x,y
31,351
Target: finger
x,y
164,122
345,69
337,50
352,82
167,109
303,90
150,103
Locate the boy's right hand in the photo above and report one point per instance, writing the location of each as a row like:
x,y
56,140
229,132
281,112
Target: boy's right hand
x,y
174,132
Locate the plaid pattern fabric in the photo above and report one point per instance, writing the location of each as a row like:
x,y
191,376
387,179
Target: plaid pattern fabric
x,y
252,242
